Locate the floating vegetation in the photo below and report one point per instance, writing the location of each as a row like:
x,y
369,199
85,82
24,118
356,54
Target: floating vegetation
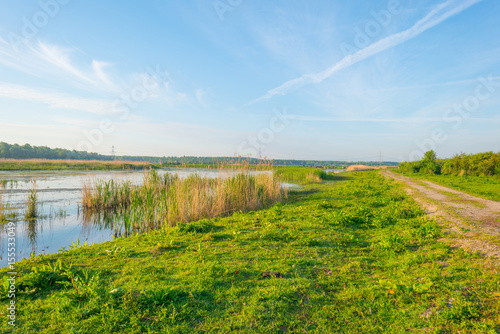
x,y
166,200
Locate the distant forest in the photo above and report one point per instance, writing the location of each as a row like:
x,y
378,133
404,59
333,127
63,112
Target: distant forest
x,y
15,151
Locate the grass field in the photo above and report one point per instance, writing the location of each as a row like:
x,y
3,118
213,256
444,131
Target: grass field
x,y
303,175
348,256
482,186
46,164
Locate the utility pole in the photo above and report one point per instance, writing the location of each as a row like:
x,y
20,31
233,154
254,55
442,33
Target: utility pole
x,y
380,159
113,151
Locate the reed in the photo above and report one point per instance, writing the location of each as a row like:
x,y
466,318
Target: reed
x,y
166,200
3,215
31,202
6,210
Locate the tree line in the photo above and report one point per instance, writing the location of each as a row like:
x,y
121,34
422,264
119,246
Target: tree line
x,y
15,151
479,164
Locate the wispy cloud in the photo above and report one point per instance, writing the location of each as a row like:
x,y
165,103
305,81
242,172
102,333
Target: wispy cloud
x,y
60,65
431,85
55,100
411,120
439,14
43,59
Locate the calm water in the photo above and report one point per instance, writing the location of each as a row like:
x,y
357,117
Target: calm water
x,y
61,222
335,170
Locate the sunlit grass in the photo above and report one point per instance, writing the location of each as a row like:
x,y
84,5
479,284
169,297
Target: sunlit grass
x,y
352,256
482,186
302,175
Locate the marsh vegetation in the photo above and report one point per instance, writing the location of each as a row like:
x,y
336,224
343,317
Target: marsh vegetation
x,y
163,200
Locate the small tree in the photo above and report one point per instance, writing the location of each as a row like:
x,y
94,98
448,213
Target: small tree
x,y
430,156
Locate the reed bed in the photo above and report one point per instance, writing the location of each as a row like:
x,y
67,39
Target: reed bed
x,y
6,210
3,214
166,200
31,202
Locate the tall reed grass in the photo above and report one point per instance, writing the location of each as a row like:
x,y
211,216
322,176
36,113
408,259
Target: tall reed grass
x,y
166,200
31,202
3,214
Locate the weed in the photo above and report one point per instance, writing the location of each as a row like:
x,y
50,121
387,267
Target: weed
x,y
393,243
46,276
428,230
201,226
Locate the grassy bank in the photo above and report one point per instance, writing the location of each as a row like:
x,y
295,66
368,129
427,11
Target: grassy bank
x,y
302,175
351,256
46,164
482,186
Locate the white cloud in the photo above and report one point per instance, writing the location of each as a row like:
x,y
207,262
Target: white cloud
x,y
53,62
439,14
55,100
200,97
171,96
411,120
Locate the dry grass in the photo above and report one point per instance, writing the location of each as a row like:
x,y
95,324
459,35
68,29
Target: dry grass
x,y
361,168
33,164
166,200
72,161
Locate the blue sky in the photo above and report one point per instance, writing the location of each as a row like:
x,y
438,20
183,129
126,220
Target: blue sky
x,y
324,80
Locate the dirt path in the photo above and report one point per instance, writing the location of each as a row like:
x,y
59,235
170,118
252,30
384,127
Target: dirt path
x,y
473,222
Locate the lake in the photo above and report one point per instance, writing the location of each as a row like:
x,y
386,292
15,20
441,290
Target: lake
x,y
61,221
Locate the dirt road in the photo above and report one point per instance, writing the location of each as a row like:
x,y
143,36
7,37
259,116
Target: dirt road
x,y
473,222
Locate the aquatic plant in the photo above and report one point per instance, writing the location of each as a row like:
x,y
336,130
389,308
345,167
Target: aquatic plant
x,y
166,199
31,202
2,209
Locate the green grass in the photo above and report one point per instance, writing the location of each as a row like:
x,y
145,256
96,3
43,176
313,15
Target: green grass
x,y
356,256
302,175
482,186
